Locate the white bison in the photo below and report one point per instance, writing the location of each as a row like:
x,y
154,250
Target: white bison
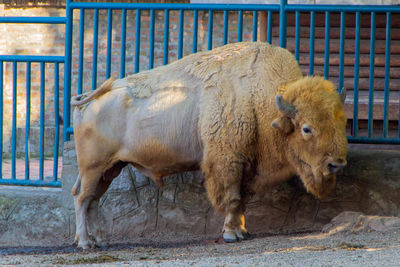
x,y
242,113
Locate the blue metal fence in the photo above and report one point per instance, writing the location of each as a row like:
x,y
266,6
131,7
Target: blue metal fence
x,y
189,12
28,60
283,9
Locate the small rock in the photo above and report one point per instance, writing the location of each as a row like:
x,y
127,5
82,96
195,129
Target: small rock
x,y
352,222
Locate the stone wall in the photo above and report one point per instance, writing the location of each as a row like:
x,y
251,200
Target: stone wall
x,y
134,209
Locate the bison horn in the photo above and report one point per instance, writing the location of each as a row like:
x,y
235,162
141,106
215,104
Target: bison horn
x,y
342,95
284,107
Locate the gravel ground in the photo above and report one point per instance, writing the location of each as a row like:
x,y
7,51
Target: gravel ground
x,y
310,249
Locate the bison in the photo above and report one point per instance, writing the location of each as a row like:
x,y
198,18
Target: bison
x,y
243,114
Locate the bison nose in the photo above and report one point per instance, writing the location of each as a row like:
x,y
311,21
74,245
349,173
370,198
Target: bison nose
x,y
337,166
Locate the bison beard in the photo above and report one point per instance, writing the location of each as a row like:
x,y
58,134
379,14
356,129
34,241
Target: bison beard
x,y
242,113
310,178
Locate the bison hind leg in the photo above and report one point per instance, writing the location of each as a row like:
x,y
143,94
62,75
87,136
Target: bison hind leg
x,y
93,223
93,209
84,192
81,210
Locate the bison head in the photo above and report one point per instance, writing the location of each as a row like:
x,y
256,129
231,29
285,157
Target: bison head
x,y
314,124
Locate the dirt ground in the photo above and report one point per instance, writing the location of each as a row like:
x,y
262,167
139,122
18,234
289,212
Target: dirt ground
x,y
364,248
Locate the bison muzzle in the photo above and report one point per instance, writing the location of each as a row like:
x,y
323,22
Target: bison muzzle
x,y
243,114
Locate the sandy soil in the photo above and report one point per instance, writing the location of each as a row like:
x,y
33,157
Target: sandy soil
x,y
307,249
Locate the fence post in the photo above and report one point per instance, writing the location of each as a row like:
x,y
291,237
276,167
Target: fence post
x,y
67,73
282,24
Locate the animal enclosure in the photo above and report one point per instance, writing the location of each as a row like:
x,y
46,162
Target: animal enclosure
x,y
356,47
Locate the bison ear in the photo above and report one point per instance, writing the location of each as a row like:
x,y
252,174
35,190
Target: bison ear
x,y
342,95
283,124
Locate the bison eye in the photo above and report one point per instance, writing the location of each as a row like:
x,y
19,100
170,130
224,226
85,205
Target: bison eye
x,y
306,130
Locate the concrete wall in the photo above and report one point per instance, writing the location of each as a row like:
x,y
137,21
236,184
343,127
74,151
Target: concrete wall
x,y
134,208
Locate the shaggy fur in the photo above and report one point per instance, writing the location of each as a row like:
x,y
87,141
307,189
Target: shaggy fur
x,y
216,111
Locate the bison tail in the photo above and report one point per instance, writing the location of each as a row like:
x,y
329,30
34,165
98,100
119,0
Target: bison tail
x,y
87,97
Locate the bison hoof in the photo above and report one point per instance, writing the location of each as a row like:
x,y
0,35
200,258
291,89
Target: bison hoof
x,y
235,236
98,240
87,245
246,236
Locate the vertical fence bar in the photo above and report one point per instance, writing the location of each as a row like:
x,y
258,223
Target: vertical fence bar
x,y
95,46
210,29
225,30
282,24
240,26
195,29
180,37
151,52
1,118
263,25
297,36
42,121
28,118
67,73
57,123
109,43
14,122
123,44
341,52
137,40
166,36
81,48
371,76
312,42
269,27
387,75
356,74
255,25
327,41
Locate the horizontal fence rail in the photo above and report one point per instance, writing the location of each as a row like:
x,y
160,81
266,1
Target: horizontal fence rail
x,y
191,7
357,47
39,20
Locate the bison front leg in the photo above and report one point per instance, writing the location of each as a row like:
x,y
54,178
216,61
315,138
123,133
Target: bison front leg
x,y
234,227
223,184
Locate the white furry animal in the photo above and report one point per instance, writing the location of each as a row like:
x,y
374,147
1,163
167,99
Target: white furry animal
x,y
242,113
